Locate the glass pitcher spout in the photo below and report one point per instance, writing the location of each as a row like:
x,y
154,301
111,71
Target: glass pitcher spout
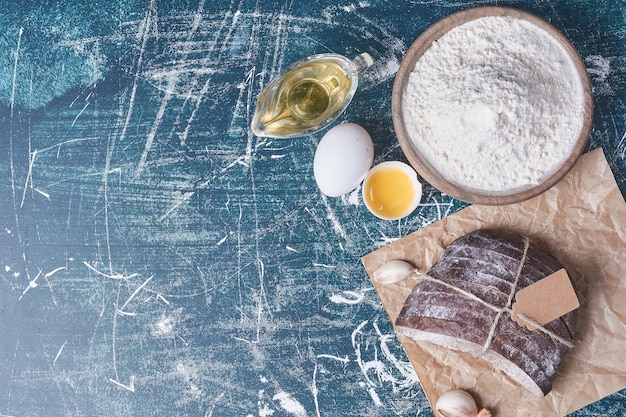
x,y
308,95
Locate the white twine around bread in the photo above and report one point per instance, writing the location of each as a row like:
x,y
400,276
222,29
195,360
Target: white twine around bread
x,y
509,300
397,270
499,310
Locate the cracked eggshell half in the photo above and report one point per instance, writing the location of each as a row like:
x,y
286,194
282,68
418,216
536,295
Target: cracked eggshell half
x,y
342,159
391,190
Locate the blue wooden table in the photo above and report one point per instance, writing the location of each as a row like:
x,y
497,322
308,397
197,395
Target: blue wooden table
x,y
157,259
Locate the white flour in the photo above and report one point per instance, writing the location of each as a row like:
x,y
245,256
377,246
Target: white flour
x,y
495,104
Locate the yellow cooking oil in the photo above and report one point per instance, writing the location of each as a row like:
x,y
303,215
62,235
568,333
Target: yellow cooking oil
x,y
310,99
307,96
389,192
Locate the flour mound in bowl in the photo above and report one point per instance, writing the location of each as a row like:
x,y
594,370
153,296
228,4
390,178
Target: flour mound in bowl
x,y
495,104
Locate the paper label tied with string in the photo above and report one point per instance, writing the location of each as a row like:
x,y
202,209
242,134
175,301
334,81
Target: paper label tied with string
x,y
545,300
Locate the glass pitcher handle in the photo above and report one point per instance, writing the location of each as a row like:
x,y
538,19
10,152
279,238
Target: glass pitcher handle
x,y
362,62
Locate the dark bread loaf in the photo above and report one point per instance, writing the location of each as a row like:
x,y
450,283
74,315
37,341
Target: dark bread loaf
x,y
487,263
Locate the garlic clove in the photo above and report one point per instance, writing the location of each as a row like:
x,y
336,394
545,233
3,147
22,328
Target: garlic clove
x,y
456,403
484,413
393,271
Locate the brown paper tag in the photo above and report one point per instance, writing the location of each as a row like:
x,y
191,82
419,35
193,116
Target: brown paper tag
x,y
545,300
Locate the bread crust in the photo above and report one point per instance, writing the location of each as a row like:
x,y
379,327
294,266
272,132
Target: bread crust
x,y
486,263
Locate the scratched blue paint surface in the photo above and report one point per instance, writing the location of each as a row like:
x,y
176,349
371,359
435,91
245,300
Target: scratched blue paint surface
x,y
158,259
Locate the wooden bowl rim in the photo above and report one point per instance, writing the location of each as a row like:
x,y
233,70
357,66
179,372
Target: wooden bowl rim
x,y
426,171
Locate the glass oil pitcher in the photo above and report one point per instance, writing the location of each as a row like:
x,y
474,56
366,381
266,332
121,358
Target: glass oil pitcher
x,y
308,95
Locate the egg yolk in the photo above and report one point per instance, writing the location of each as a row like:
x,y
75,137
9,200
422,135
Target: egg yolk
x,y
389,192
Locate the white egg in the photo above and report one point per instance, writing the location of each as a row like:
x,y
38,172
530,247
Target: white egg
x,y
342,158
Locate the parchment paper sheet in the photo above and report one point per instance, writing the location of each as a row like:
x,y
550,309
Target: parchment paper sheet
x,y
582,222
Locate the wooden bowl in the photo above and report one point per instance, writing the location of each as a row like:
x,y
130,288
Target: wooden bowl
x,y
421,165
